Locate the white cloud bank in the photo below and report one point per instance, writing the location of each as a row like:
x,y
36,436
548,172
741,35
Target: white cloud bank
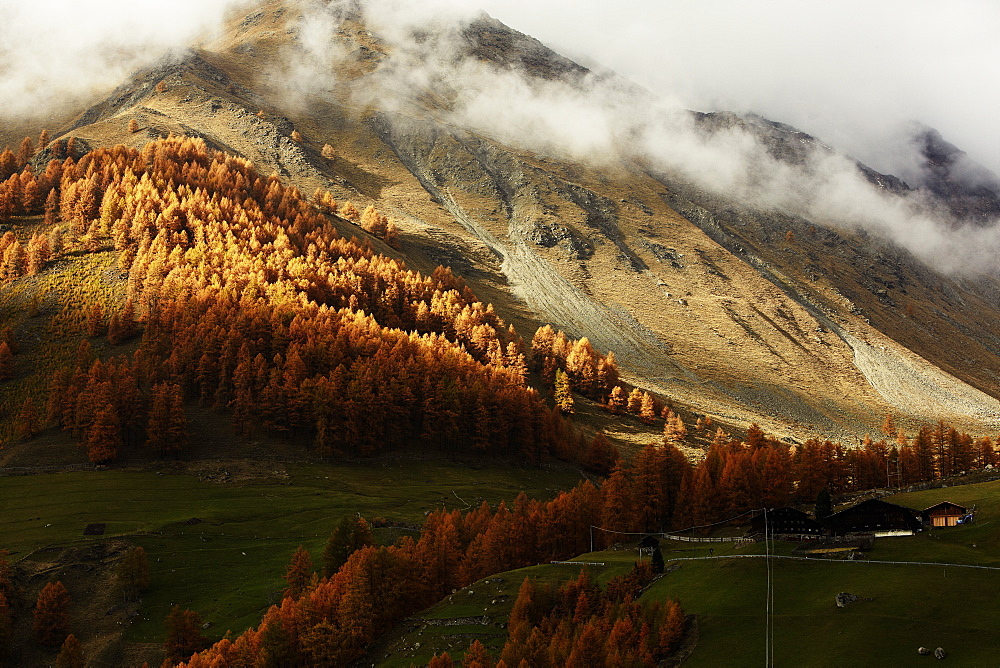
x,y
851,73
51,50
599,122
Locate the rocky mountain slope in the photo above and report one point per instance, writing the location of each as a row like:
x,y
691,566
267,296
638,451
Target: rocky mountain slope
x,y
737,310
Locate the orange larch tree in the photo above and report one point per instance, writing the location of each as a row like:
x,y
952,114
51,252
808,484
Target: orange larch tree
x,y
52,614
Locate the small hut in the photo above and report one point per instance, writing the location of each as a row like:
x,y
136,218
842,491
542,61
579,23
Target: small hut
x,y
945,514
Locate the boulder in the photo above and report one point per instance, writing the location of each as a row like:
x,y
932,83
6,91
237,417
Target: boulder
x,y
923,651
844,599
939,653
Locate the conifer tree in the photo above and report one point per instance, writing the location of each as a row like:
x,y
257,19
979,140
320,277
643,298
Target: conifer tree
x,y
672,629
442,660
657,560
95,320
476,656
158,428
889,425
176,428
349,211
29,423
635,401
52,614
617,401
71,654
352,533
6,361
601,455
25,152
562,393
647,408
133,573
299,573
184,636
824,505
103,438
121,327
392,235
39,253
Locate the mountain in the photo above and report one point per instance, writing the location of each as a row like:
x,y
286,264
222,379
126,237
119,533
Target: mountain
x,y
737,310
341,236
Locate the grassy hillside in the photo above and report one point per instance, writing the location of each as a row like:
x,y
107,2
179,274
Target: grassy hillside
x,y
218,544
910,605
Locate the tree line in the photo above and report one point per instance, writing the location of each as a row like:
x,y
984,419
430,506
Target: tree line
x,y
580,624
248,299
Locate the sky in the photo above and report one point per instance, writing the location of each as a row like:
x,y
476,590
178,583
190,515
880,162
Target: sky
x,y
852,73
856,75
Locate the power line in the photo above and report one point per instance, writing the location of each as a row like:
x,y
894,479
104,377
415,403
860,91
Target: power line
x,y
767,595
671,533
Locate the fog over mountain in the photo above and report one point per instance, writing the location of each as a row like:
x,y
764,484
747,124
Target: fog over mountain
x,y
597,117
851,73
857,78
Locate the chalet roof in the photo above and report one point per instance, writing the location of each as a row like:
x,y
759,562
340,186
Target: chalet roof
x,y
785,512
872,506
788,511
946,505
785,520
873,515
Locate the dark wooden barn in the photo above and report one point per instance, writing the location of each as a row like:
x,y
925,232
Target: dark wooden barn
x,y
874,516
945,514
786,521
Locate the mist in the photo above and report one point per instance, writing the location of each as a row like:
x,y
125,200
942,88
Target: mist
x,y
603,118
55,51
855,76
852,73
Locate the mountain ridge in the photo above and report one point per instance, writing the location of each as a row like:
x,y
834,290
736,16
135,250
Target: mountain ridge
x,y
724,315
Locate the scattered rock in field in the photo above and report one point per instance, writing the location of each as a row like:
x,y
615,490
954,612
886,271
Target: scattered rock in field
x,y
923,651
844,599
939,653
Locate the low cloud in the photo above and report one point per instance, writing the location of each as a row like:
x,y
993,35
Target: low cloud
x,y
52,50
600,118
852,74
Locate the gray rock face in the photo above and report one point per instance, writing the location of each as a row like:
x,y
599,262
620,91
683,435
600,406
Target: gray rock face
x,y
844,599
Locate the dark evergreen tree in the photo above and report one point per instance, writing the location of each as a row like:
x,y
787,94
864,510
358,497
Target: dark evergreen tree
x,y
824,504
184,636
657,560
351,534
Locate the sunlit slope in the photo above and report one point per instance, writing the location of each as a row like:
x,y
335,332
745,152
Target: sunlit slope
x,y
704,300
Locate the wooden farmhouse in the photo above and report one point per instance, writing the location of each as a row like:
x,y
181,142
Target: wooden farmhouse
x,y
786,522
945,514
876,517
